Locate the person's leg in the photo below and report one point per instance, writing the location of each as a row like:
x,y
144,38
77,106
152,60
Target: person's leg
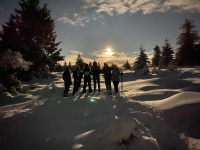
x,y
98,80
117,83
67,90
85,84
114,83
94,80
109,82
106,82
89,84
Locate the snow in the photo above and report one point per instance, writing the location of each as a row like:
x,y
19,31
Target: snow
x,y
159,111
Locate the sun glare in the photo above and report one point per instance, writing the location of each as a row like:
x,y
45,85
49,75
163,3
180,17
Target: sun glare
x,y
108,51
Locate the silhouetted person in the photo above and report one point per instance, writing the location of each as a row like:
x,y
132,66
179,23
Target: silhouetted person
x,y
115,77
87,78
107,74
96,72
77,75
68,81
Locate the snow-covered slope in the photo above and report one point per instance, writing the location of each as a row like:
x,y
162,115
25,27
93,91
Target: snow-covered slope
x,y
154,112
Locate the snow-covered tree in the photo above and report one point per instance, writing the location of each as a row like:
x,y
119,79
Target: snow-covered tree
x,y
142,59
31,32
166,54
186,53
12,60
12,63
156,57
127,65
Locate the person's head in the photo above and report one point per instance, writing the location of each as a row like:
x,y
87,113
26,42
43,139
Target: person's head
x,y
114,67
86,65
105,65
94,64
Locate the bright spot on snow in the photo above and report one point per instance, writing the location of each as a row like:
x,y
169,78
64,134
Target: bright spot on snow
x,y
83,135
85,114
47,139
77,146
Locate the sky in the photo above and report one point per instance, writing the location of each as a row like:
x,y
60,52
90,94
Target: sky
x,y
90,27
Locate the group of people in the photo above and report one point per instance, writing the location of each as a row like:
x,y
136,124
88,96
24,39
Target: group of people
x,y
110,74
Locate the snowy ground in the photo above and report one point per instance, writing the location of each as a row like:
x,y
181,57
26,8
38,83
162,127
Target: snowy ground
x,y
154,112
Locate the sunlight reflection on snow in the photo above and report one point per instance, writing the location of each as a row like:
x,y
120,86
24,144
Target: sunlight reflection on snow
x,y
77,146
83,135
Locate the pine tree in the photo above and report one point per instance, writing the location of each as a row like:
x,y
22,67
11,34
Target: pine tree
x,y
156,57
186,53
65,66
166,54
99,65
90,64
127,65
70,65
31,32
79,62
142,59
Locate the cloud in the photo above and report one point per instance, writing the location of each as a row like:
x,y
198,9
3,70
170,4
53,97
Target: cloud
x,y
119,7
73,56
118,58
77,20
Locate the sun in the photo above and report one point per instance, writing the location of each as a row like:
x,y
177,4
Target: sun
x,y
108,51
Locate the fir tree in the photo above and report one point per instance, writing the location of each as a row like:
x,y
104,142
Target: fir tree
x,y
59,68
99,65
70,65
65,66
79,62
90,64
166,54
156,57
31,32
186,53
142,59
127,65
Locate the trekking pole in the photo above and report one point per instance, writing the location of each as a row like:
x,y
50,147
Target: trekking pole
x,y
121,81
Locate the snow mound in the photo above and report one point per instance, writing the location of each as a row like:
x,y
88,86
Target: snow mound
x,y
155,70
142,71
108,137
177,100
171,67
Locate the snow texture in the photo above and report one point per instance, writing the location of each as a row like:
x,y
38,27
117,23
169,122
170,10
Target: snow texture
x,y
154,112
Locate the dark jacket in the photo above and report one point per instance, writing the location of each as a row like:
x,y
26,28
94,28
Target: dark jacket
x,y
77,75
67,77
95,72
86,72
107,72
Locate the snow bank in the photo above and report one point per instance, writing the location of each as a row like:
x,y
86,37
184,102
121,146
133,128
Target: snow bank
x,y
142,71
108,137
